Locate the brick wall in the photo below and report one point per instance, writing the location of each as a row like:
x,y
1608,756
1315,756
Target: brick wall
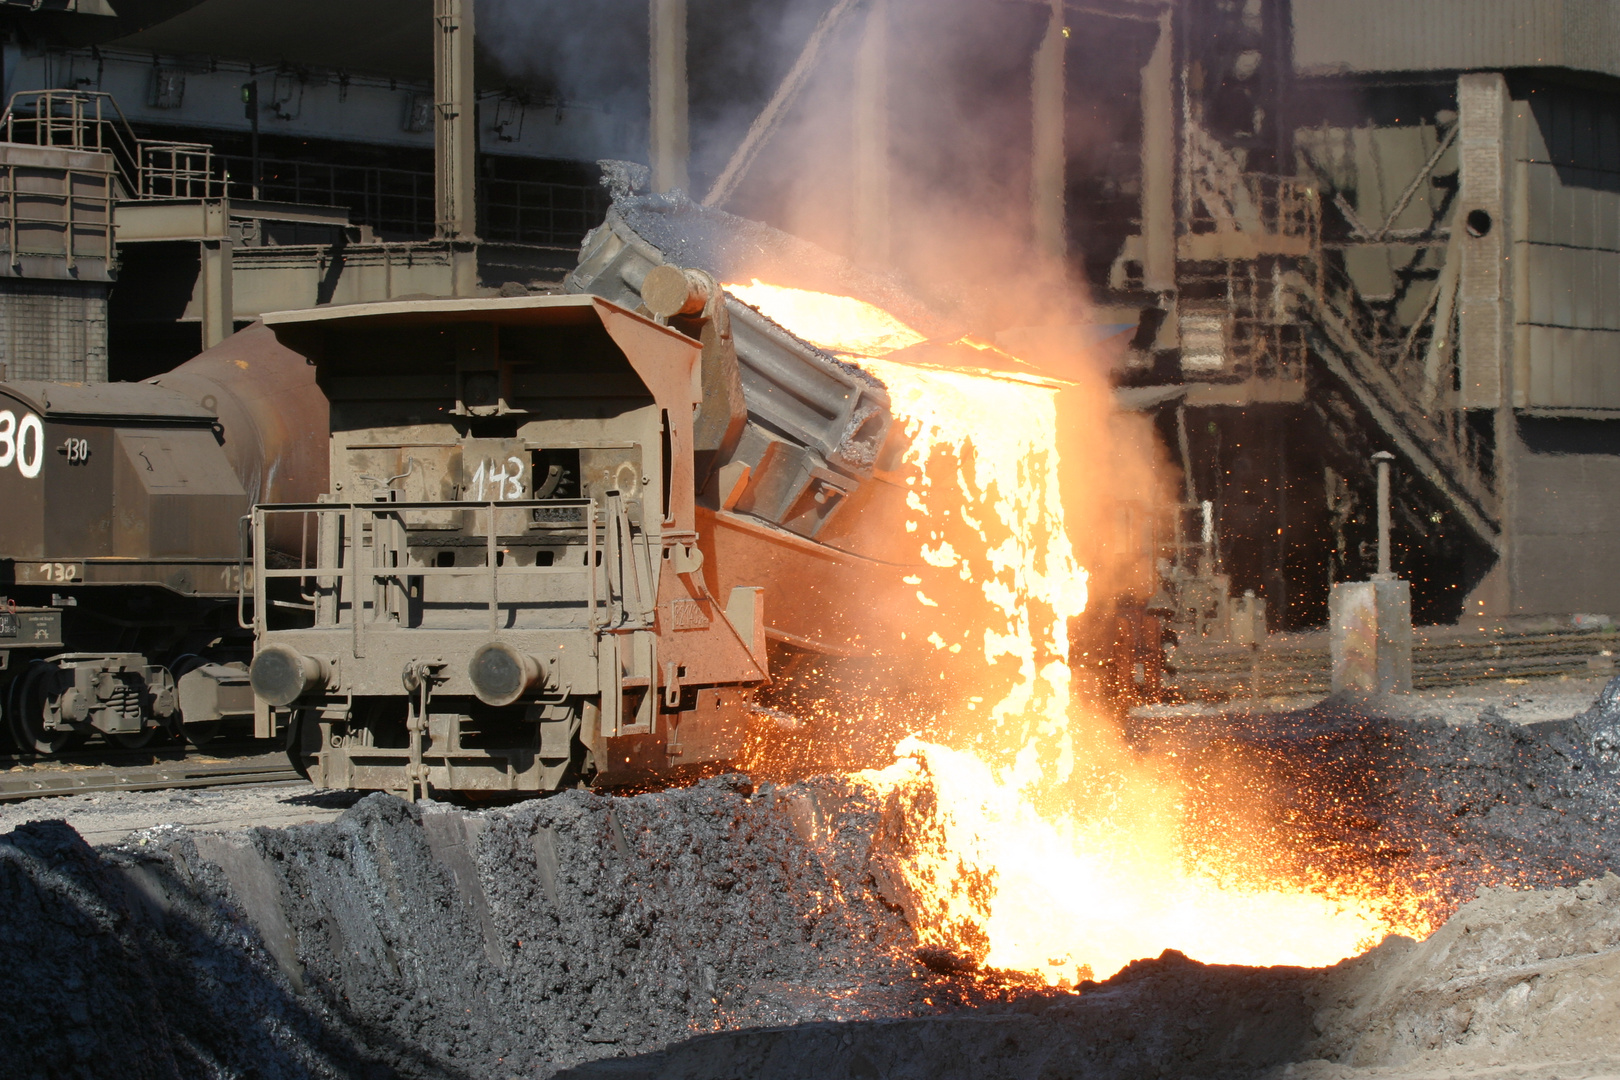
x,y
54,330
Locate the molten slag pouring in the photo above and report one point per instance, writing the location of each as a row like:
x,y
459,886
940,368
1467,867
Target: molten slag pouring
x,y
1034,839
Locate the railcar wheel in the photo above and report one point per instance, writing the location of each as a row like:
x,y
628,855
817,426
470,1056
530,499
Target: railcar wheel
x,y
28,715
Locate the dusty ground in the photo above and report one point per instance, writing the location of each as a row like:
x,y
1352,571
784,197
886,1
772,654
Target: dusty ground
x,y
1521,701
108,818
724,931
1516,985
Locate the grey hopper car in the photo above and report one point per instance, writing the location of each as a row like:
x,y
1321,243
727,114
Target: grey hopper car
x,y
506,585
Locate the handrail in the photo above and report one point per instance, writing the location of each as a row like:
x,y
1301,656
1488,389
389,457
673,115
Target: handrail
x,y
84,127
80,120
346,562
1413,433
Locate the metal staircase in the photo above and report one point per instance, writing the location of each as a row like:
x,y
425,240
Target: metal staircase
x,y
1438,443
1253,251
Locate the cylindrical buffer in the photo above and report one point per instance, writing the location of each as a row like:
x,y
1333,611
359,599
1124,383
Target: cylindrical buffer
x,y
281,675
501,674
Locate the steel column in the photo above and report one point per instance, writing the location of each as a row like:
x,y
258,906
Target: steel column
x,y
871,166
1049,166
1159,162
668,134
455,134
218,308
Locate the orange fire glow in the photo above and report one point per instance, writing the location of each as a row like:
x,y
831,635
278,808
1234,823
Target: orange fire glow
x,y
1048,847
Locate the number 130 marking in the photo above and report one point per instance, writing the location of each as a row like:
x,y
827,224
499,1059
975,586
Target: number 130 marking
x,y
22,442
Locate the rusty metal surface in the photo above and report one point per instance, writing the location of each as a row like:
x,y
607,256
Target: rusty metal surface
x,y
28,627
134,402
41,784
121,472
819,436
1336,38
816,596
274,417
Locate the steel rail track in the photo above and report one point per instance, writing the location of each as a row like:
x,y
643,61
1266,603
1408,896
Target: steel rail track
x,y
161,778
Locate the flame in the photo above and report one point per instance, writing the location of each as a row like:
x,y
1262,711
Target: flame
x,y
1039,842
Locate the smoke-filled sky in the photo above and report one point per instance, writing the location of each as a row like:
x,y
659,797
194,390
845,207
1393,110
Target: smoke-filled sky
x,y
959,122
959,138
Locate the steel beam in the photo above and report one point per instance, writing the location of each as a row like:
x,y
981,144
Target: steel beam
x,y
770,117
1159,162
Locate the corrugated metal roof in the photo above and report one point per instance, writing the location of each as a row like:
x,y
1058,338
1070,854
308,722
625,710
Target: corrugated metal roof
x,y
1354,36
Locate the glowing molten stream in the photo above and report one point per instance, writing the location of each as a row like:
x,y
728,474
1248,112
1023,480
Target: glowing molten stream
x,y
1037,841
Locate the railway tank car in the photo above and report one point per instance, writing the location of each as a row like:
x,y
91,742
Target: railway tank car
x,y
120,540
507,587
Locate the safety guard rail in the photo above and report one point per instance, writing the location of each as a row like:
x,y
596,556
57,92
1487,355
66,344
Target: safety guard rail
x,y
347,567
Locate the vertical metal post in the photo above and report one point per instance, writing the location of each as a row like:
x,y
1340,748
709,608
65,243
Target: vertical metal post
x,y
1049,167
1383,459
357,602
871,157
455,135
668,133
1184,444
417,722
215,280
1207,537
1159,162
490,555
250,103
67,214
590,559
1482,239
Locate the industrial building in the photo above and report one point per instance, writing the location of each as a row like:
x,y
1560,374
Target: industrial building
x,y
1329,228
810,538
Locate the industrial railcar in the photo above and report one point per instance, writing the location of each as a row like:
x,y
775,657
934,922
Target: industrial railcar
x,y
120,540
506,589
567,537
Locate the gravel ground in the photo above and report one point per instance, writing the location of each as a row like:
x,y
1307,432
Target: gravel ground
x,y
728,931
1399,794
110,817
